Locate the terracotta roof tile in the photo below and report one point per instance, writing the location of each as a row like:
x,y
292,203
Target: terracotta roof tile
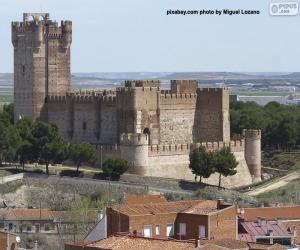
x,y
202,207
272,213
186,206
26,214
138,243
142,199
254,229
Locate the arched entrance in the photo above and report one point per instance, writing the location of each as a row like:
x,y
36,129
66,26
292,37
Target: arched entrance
x,y
147,132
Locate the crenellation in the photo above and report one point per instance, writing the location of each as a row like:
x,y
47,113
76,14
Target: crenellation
x,y
220,89
153,129
173,149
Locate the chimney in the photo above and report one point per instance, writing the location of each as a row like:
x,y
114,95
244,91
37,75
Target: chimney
x,y
197,243
270,232
279,221
259,221
220,203
263,222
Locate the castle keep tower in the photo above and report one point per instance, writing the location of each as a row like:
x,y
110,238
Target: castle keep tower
x,y
41,63
253,152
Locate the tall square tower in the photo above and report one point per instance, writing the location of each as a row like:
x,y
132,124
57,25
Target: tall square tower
x,y
41,63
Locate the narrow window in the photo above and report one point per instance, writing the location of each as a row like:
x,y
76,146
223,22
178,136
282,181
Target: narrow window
x,y
147,231
84,125
170,230
182,228
157,229
202,233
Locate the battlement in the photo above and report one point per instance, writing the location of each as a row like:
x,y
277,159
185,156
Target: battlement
x,y
183,149
57,99
86,96
252,133
135,89
177,99
38,26
209,90
142,83
134,139
35,16
108,148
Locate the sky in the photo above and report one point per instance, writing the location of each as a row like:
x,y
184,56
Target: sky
x,y
138,36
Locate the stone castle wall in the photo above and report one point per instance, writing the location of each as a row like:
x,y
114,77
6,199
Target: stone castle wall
x,y
172,161
173,121
41,63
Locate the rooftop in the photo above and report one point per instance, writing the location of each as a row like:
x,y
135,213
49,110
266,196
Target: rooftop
x,y
250,230
272,213
26,214
186,206
142,199
131,242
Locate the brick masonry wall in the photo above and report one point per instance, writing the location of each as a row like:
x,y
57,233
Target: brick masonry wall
x,y
192,222
224,224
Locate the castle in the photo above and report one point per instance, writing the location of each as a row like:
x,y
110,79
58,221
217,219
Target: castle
x,y
154,129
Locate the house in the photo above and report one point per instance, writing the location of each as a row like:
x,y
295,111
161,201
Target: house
x,y
142,199
263,231
134,242
9,241
27,220
289,216
187,219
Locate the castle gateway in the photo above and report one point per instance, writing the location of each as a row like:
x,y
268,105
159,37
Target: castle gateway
x,y
154,129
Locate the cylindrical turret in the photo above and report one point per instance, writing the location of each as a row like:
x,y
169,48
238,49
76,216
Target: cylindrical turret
x,y
253,152
38,35
66,28
134,148
14,33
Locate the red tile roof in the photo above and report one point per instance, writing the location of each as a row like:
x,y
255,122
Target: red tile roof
x,y
272,213
129,242
26,214
138,243
254,229
142,199
202,207
186,206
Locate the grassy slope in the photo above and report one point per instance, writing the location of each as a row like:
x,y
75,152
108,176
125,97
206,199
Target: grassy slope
x,y
287,161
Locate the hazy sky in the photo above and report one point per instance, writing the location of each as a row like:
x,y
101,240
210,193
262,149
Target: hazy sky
x,y
136,35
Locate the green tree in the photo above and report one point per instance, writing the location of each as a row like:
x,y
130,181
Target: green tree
x,y
13,143
201,163
82,153
115,167
224,163
55,151
26,149
47,143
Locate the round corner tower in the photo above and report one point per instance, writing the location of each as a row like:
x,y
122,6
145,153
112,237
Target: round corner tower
x,y
253,152
134,148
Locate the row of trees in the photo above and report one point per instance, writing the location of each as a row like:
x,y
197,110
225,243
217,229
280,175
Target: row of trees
x,y
204,163
280,124
40,142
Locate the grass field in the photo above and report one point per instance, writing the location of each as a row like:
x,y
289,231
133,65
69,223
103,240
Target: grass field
x,y
282,160
6,97
287,194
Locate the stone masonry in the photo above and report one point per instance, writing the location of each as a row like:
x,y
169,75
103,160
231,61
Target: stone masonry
x,y
152,128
